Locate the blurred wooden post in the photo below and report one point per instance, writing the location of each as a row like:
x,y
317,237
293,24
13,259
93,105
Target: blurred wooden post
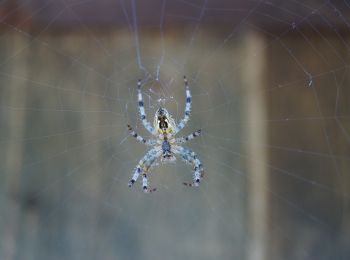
x,y
256,136
14,147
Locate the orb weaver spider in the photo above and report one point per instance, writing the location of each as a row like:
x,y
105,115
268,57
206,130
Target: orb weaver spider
x,y
165,146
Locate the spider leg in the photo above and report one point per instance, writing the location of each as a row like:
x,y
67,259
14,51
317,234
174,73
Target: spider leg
x,y
140,138
184,121
182,140
145,122
191,158
143,166
145,184
144,175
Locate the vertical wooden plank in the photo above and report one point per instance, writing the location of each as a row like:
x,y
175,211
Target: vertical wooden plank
x,y
15,90
256,134
320,184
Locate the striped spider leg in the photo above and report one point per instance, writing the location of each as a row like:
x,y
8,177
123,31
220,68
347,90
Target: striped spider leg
x,y
144,120
186,118
144,165
189,137
190,157
140,138
165,145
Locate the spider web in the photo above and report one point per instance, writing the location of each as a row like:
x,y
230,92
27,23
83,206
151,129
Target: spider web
x,y
67,95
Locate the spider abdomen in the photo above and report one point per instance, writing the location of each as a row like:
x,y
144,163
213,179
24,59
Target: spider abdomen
x,y
167,154
166,147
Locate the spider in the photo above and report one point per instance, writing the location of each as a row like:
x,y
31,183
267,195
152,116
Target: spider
x,y
165,146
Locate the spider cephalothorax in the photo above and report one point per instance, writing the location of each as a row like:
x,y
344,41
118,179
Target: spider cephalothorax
x,y
165,146
163,122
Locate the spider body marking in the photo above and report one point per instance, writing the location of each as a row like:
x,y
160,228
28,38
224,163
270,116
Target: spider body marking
x,y
165,146
165,126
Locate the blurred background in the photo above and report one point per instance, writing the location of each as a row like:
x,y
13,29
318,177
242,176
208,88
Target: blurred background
x,y
269,81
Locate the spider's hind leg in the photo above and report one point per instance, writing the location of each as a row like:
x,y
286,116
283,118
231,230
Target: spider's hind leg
x,y
190,157
145,184
143,166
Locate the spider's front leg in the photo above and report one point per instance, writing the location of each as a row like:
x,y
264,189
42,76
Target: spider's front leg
x,y
143,166
184,121
191,158
145,122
